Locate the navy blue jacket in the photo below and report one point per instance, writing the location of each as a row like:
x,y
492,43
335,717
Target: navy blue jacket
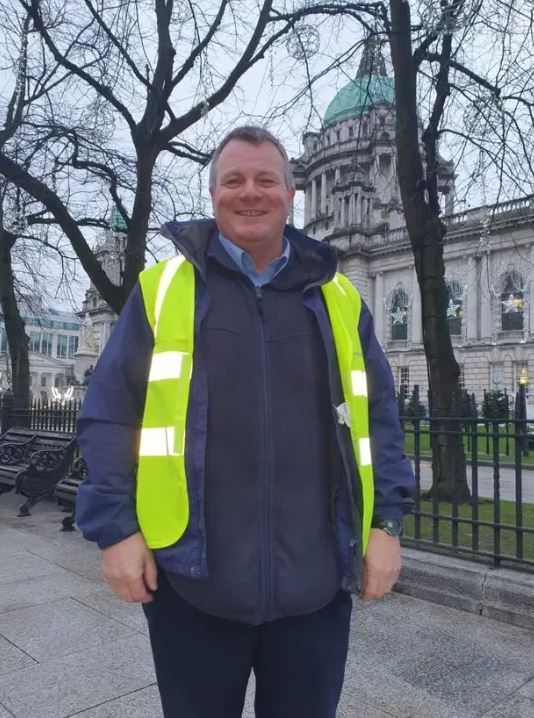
x,y
252,576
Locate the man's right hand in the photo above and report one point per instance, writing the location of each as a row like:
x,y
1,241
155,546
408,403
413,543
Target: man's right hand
x,y
130,569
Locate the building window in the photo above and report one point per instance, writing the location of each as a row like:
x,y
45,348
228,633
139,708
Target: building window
x,y
62,346
461,377
399,315
455,303
35,342
338,136
43,380
46,344
59,381
73,346
404,381
3,340
365,129
351,132
497,376
512,302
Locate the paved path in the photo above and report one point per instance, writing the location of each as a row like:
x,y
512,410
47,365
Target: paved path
x,y
485,482
68,647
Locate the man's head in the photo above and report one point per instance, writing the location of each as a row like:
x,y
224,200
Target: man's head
x,y
251,187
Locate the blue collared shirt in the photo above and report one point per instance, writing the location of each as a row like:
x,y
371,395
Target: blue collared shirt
x,y
246,264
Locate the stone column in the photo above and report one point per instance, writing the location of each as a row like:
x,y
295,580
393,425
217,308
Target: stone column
x,y
323,193
379,306
417,321
342,218
473,299
486,320
355,209
313,211
337,177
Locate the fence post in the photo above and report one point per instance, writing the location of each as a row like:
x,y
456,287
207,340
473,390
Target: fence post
x,y
520,415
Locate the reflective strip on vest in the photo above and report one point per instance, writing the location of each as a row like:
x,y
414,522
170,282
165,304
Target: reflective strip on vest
x,y
365,452
359,383
158,442
166,365
171,267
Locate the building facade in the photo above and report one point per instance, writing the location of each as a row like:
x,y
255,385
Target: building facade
x,y
53,345
352,200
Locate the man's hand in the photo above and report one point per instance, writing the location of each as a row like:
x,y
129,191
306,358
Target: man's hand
x,y
382,564
130,569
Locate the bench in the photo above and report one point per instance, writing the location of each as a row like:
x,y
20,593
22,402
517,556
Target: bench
x,y
33,465
67,490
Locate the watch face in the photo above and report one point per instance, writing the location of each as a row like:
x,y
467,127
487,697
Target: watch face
x,y
393,527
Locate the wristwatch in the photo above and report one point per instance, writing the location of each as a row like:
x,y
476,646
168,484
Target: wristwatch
x,y
393,527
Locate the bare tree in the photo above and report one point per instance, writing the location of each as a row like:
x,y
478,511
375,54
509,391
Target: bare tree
x,y
140,77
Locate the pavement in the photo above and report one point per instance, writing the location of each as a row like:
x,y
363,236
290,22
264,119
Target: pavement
x,y
68,647
507,482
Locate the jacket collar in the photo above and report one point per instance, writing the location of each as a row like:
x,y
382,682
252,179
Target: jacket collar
x,y
311,262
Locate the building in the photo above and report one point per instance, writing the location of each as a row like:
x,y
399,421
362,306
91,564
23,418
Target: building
x,y
352,200
110,253
53,345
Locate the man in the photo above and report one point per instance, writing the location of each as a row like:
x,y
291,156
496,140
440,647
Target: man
x,y
226,429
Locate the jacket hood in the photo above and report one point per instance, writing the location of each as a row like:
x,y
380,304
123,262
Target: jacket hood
x,y
192,238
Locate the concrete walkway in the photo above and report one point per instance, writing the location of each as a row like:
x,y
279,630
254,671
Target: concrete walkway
x,y
68,647
486,482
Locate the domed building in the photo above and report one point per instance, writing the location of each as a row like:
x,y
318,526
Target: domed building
x,y
348,175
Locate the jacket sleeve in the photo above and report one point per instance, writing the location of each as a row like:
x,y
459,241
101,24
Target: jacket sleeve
x,y
109,428
393,474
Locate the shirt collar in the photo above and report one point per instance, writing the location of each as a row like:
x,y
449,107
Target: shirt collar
x,y
245,262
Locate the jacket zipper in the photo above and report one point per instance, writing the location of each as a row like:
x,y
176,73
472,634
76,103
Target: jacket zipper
x,y
266,552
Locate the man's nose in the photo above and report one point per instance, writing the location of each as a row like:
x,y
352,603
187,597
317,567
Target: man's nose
x,y
250,189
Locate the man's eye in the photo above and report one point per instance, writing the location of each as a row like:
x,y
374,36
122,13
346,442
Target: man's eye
x,y
267,182
233,182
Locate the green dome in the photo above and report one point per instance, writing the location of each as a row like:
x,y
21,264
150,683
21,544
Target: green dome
x,y
360,95
117,220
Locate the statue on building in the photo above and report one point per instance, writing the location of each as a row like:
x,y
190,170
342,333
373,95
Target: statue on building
x,y
87,336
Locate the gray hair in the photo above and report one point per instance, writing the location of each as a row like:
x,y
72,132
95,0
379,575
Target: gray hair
x,y
255,135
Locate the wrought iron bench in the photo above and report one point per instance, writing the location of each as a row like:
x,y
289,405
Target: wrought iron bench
x,y
34,467
67,490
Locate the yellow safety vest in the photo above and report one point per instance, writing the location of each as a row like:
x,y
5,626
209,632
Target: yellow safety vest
x,y
168,291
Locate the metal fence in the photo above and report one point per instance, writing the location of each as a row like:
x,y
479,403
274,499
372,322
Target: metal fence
x,y
39,415
497,524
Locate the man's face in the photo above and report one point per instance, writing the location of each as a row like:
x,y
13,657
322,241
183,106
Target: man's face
x,y
250,198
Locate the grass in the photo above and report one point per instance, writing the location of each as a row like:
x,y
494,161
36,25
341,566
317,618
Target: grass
x,y
506,444
508,541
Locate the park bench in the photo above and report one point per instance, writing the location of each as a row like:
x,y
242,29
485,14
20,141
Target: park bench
x,y
67,490
33,466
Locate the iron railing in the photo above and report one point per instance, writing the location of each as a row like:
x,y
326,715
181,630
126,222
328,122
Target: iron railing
x,y
497,524
39,415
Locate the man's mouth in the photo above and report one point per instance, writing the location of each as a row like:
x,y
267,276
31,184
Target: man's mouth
x,y
250,212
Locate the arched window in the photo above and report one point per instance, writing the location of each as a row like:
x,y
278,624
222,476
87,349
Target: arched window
x,y
398,314
512,302
455,305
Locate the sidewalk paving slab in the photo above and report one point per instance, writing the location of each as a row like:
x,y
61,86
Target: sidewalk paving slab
x,y
80,651
71,683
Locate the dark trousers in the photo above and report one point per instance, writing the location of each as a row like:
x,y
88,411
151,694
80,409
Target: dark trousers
x,y
203,663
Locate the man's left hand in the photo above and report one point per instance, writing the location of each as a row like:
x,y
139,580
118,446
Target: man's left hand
x,y
382,564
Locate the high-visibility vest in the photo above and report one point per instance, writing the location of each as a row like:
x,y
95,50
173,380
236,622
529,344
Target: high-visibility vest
x,y
168,291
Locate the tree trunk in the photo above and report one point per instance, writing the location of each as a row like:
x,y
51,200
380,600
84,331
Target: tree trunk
x,y
17,338
426,232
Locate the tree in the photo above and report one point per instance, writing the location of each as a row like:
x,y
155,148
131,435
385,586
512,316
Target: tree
x,y
141,75
436,50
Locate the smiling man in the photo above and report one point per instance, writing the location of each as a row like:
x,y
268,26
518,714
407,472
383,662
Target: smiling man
x,y
246,466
